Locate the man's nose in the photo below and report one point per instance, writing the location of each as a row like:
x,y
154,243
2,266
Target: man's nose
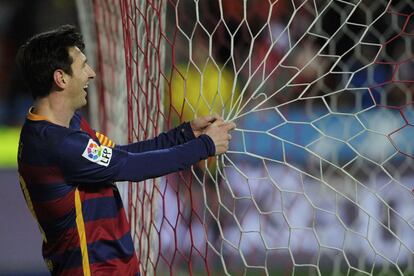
x,y
91,72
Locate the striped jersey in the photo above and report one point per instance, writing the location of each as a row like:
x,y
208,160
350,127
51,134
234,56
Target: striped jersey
x,y
67,177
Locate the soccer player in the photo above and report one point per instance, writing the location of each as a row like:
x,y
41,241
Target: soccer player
x,y
67,170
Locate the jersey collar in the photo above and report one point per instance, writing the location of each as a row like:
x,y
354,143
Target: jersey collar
x,y
34,117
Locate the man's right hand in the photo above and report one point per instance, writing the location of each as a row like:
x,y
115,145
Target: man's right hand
x,y
219,133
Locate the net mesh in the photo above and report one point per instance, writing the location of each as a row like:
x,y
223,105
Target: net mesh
x,y
318,177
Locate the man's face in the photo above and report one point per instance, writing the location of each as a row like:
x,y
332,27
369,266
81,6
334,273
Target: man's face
x,y
81,74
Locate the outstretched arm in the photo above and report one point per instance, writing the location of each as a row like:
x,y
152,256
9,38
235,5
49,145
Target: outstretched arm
x,y
145,165
82,160
176,136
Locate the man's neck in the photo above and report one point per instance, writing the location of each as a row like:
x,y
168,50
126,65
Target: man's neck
x,y
54,110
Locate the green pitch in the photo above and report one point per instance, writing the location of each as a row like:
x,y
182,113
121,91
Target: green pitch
x,y
9,139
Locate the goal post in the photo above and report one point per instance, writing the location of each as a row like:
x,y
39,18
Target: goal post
x,y
319,175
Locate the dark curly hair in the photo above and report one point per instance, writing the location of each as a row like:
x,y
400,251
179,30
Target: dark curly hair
x,y
39,57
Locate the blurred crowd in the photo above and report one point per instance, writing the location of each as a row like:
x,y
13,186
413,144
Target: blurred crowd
x,y
19,20
281,52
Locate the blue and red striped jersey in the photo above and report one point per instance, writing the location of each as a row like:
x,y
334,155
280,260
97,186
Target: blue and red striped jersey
x,y
67,176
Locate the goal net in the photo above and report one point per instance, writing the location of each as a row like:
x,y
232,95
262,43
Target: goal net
x,y
319,175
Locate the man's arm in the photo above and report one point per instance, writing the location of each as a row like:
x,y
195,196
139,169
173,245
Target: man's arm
x,y
83,161
156,163
176,136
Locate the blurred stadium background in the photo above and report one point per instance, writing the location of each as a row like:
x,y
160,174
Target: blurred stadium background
x,y
20,242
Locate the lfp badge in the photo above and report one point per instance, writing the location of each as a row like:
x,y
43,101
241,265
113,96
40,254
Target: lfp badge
x,y
97,154
94,151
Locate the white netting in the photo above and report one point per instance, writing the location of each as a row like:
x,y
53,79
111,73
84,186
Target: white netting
x,y
318,177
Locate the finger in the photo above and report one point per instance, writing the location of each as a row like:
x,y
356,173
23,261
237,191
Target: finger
x,y
216,116
218,123
226,147
209,119
230,126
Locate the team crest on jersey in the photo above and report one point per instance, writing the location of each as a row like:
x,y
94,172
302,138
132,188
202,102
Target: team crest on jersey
x,y
98,154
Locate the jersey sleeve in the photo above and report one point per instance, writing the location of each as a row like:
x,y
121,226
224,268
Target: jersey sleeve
x,y
176,136
84,161
156,163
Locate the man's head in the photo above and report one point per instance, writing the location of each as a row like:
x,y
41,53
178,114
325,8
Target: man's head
x,y
53,61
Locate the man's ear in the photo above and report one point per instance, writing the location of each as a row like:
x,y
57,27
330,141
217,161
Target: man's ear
x,y
60,78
